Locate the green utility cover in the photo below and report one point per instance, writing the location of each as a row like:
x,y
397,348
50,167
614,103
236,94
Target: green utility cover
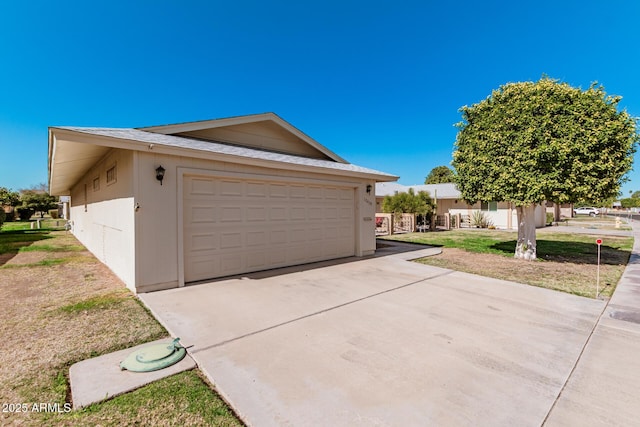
x,y
154,357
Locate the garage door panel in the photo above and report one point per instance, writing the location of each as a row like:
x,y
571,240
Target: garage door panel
x,y
315,193
314,234
346,213
256,189
256,261
315,213
202,268
256,213
346,194
297,235
277,257
231,240
278,190
278,237
203,242
296,254
230,263
298,192
231,188
331,193
235,226
203,187
330,233
202,214
298,214
330,213
228,214
278,213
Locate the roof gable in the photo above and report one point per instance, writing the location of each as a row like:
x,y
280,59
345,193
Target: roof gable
x,y
265,131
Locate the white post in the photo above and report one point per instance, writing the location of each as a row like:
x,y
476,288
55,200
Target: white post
x,y
598,242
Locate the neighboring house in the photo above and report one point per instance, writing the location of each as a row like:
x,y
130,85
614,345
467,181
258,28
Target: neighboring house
x,y
237,195
449,200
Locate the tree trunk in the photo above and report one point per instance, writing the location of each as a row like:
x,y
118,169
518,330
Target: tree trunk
x,y
526,245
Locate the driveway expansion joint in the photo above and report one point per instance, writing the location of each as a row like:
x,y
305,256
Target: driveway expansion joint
x,y
306,316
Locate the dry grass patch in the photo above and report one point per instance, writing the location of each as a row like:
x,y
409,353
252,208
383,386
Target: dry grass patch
x,y
578,279
566,262
56,315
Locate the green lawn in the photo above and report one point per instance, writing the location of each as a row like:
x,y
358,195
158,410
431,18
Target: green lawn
x,y
550,246
566,262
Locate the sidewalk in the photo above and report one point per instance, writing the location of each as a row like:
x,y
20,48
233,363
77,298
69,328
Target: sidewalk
x,y
603,389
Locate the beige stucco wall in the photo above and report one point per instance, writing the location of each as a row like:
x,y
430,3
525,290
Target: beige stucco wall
x,y
505,217
159,230
499,218
104,220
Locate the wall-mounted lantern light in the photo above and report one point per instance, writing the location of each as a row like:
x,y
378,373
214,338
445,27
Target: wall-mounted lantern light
x,y
160,173
368,188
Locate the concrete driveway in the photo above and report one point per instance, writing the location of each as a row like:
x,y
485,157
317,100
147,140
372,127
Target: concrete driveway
x,y
380,341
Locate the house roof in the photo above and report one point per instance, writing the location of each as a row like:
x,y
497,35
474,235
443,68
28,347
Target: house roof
x,y
389,188
73,150
441,191
196,128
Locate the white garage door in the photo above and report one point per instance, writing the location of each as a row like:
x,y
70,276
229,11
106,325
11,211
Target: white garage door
x,y
234,226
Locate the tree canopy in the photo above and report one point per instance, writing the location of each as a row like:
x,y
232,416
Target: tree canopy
x,y
9,197
36,199
534,141
410,202
439,175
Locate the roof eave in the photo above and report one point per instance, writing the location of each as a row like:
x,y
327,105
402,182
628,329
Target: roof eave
x,y
130,144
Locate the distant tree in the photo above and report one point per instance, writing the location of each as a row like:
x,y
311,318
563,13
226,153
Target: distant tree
x,y
534,141
9,197
635,195
439,175
36,200
630,202
410,202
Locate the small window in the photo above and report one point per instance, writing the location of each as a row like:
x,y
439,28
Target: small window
x,y
111,175
96,184
489,206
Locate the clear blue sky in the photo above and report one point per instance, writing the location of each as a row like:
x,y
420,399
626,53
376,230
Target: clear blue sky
x,y
378,82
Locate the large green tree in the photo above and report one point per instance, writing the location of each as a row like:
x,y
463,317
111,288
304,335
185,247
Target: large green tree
x,y
439,175
534,141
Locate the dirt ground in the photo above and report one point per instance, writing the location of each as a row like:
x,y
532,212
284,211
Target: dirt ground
x,y
44,329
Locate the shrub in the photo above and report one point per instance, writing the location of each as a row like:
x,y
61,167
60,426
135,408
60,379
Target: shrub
x,y
549,218
2,217
480,220
24,213
53,213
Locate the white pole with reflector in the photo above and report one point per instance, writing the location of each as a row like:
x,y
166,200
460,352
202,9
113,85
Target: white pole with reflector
x,y
599,243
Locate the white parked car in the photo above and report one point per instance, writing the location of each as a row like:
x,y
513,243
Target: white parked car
x,y
586,211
